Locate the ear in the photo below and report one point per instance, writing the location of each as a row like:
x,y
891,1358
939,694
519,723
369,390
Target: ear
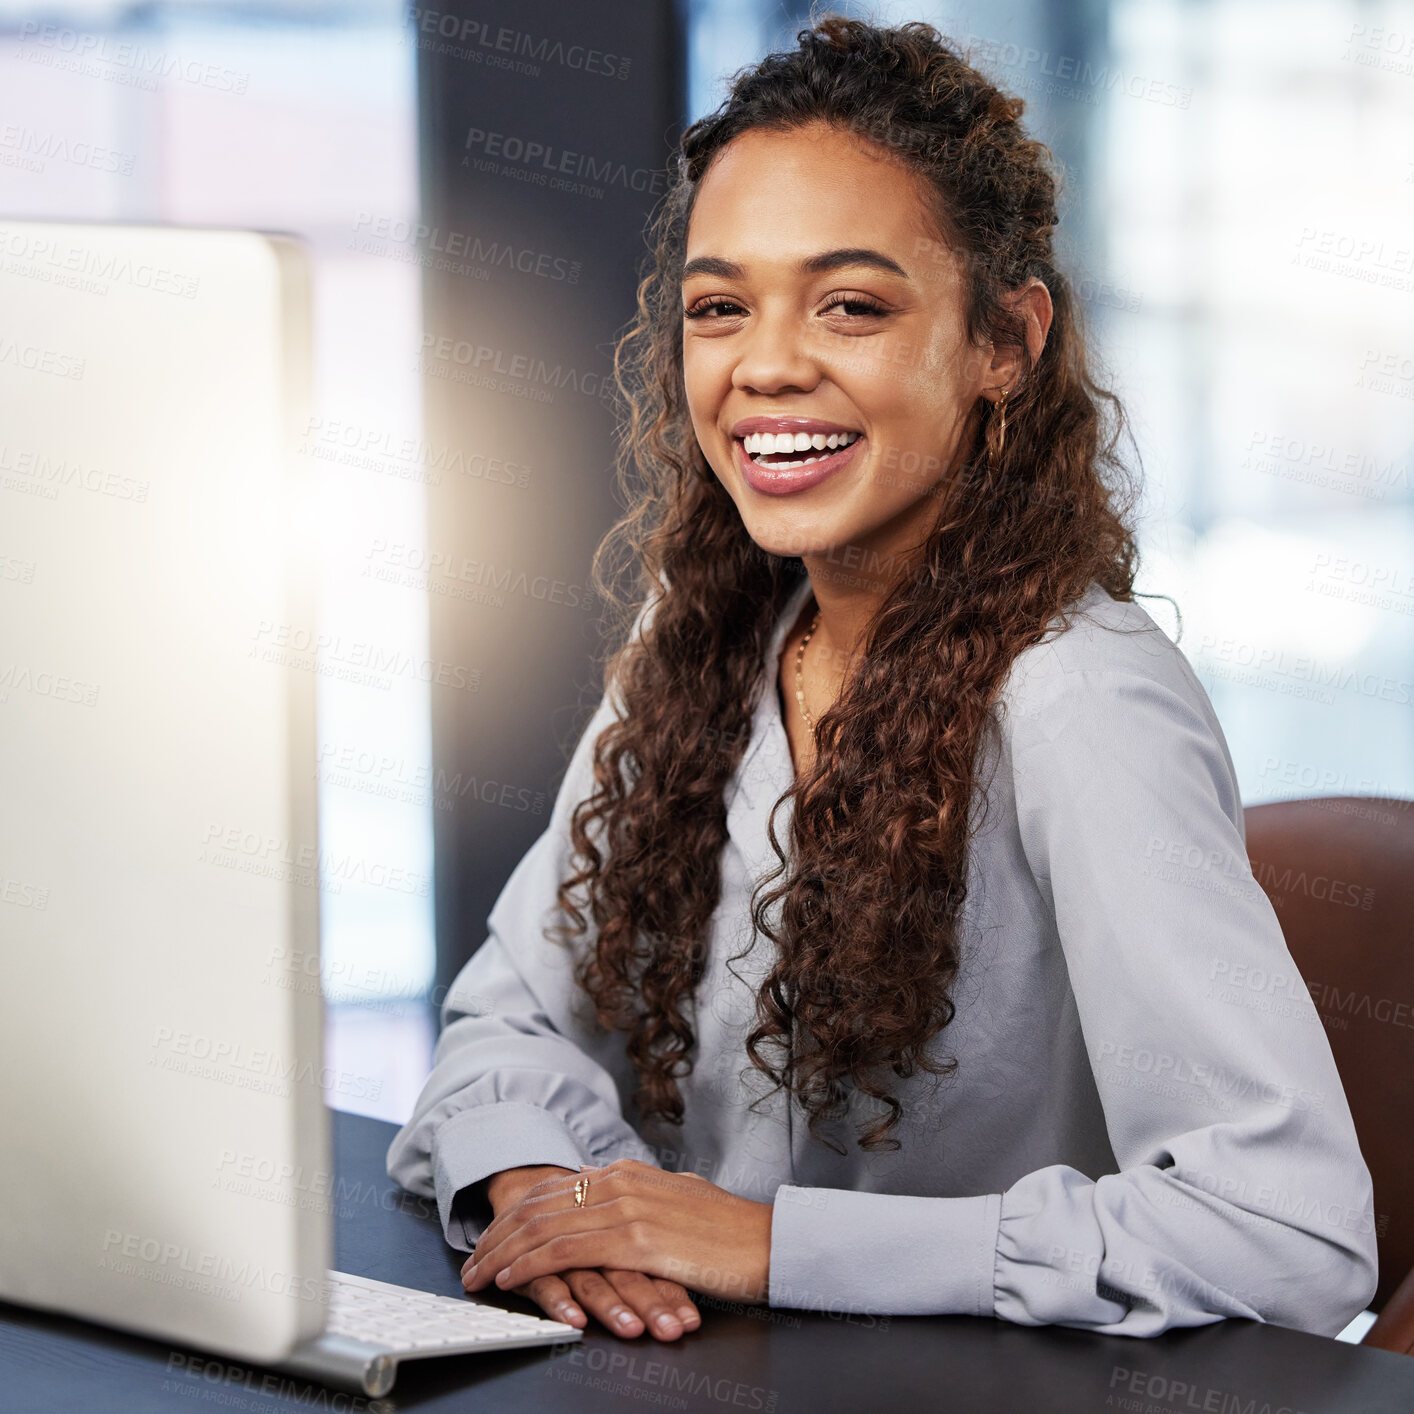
x,y
1033,302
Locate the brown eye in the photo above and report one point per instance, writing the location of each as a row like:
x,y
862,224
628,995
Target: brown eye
x,y
697,311
856,305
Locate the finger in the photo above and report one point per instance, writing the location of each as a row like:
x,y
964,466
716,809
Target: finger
x,y
492,1260
622,1246
643,1294
676,1296
603,1302
554,1297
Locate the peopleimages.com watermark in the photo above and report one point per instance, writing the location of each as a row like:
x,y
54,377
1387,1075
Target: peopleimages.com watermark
x,y
1073,77
290,1185
640,1377
168,1263
1198,1082
1380,47
540,163
19,894
1310,461
62,261
401,456
251,1067
35,358
458,36
1387,372
32,472
222,1383
122,61
396,778
41,682
456,252
32,151
1146,1393
460,576
517,372
358,661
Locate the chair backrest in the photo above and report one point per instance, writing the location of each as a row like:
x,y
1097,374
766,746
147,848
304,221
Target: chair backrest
x,y
1339,872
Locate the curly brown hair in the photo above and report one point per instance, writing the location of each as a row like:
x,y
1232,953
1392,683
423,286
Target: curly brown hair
x,y
867,944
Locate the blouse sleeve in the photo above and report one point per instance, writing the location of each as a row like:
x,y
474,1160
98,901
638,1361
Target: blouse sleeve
x,y
1242,1190
515,1080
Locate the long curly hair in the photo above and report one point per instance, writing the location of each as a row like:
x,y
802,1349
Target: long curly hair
x,y
866,947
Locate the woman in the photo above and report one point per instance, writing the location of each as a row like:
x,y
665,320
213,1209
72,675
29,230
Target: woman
x,y
968,1054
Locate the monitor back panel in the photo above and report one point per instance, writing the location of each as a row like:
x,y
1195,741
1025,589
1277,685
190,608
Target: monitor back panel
x,y
165,1142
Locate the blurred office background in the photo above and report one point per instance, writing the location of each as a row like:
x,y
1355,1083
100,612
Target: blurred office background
x,y
1238,216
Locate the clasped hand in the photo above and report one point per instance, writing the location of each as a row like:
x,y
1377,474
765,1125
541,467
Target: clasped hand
x,y
636,1219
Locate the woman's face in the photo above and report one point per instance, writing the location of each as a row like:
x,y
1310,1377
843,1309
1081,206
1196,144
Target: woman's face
x,y
817,298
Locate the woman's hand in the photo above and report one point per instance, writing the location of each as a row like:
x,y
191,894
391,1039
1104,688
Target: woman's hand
x,y
636,1218
626,1302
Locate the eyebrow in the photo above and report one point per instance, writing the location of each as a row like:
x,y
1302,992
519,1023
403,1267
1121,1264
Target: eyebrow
x,y
808,265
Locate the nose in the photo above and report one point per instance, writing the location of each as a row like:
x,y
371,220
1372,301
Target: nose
x,y
774,358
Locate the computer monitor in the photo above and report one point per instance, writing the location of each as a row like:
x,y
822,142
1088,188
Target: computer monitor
x,y
162,1114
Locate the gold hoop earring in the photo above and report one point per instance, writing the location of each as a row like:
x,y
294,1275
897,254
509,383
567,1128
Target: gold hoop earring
x,y
996,452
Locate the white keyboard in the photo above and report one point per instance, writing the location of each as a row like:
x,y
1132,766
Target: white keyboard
x,y
405,1322
372,1325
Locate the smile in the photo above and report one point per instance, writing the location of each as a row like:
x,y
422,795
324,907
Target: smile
x,y
793,468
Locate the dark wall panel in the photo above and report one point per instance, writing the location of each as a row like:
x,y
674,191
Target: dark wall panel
x,y
546,127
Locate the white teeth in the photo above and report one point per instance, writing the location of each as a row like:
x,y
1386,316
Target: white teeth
x,y
776,443
798,461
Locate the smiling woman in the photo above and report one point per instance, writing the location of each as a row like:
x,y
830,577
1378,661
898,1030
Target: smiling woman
x,y
873,332
888,595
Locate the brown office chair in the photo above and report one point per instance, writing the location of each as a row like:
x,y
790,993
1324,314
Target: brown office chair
x,y
1339,872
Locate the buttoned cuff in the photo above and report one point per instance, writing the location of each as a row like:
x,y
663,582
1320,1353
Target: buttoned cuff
x,y
478,1142
833,1249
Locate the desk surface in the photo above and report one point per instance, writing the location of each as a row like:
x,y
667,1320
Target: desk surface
x,y
780,1361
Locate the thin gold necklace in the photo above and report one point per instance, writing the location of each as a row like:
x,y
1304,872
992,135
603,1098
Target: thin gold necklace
x,y
799,680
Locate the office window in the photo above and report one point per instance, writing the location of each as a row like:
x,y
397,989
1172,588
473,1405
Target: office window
x,y
1270,366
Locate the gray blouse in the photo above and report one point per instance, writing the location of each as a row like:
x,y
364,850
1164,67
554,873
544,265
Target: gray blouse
x,y
1146,1128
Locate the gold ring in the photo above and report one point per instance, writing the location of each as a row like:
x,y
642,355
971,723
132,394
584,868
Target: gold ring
x,y
581,1191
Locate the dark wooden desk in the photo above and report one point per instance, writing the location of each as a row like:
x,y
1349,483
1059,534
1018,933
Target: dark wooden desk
x,y
782,1361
